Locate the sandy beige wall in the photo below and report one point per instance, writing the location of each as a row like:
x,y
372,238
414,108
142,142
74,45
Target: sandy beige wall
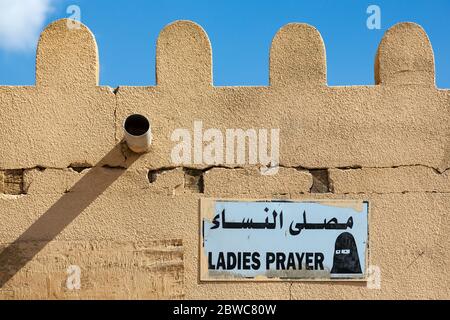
x,y
71,193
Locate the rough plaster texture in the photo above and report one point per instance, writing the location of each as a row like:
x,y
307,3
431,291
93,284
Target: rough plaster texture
x,y
221,182
71,193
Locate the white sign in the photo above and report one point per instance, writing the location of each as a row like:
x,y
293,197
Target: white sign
x,y
283,240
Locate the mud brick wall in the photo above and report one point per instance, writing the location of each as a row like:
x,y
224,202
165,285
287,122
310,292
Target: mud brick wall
x,y
71,193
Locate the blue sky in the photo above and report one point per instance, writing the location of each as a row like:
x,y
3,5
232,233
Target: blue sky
x,y
240,32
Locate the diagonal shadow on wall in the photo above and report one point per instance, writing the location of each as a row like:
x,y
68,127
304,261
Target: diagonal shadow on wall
x,y
63,212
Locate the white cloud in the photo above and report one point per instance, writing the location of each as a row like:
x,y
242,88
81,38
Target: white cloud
x,y
21,22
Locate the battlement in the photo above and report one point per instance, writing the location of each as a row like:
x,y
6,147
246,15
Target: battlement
x,y
69,57
67,118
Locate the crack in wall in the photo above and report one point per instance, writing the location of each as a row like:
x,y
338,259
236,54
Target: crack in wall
x,y
393,192
125,150
437,171
418,256
290,290
115,119
79,167
12,181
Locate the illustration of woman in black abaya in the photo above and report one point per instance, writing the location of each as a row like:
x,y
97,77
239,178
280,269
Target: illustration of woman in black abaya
x,y
346,259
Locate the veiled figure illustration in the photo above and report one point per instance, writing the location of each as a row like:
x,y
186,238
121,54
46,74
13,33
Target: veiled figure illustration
x,y
346,259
